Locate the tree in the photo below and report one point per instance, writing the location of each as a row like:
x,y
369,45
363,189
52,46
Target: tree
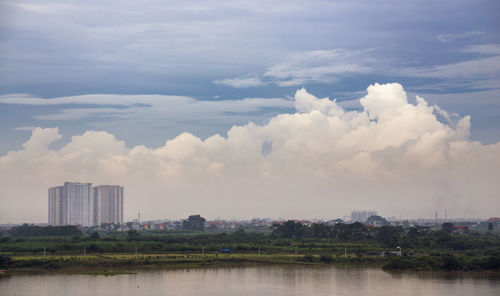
x,y
350,232
389,236
490,227
27,230
377,221
450,262
194,222
447,227
321,230
132,235
94,235
5,261
289,229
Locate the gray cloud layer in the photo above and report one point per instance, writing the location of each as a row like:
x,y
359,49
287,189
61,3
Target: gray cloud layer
x,y
327,66
136,46
143,106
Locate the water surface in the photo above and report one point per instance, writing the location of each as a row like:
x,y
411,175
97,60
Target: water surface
x,y
262,281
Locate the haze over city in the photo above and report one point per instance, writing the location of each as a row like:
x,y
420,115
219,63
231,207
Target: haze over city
x,y
237,110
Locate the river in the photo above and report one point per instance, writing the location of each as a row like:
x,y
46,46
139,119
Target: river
x,y
261,281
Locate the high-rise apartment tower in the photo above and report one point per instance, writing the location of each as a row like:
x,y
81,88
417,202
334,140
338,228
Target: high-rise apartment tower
x,y
78,204
108,204
58,213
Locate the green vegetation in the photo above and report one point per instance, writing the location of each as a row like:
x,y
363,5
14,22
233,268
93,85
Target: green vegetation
x,y
449,262
447,227
287,243
110,264
194,222
29,230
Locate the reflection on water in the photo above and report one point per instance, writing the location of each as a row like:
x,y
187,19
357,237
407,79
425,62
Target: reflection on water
x,y
275,280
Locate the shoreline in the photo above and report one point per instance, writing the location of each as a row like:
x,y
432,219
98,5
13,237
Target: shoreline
x,y
114,264
111,264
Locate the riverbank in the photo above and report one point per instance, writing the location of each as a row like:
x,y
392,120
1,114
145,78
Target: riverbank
x,y
105,263
109,264
113,264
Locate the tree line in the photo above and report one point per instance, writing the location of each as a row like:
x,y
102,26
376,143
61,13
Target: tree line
x,y
27,230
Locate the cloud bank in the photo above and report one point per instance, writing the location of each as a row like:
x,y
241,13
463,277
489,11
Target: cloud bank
x,y
330,66
140,119
322,161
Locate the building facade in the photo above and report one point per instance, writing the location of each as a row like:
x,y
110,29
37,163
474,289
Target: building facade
x,y
108,204
79,204
57,206
79,197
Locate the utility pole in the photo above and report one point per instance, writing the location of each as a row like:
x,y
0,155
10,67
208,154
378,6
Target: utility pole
x,y
84,251
43,251
296,250
259,250
345,251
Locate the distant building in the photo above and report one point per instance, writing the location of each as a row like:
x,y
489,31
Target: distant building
x,y
58,214
108,204
362,216
460,229
77,204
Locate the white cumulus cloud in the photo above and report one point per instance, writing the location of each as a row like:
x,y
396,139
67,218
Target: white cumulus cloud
x,y
322,161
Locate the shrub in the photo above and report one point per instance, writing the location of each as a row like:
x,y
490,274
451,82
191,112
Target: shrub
x,y
493,262
450,262
326,258
307,258
5,261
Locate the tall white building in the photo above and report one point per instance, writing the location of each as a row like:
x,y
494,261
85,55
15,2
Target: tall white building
x,y
57,206
108,204
78,204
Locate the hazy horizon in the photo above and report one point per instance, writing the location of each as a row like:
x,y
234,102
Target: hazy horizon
x,y
392,156
238,110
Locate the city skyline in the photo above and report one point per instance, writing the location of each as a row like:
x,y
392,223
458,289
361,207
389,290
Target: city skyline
x,y
78,203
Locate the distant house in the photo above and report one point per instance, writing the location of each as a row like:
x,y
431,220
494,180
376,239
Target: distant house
x,y
391,253
460,229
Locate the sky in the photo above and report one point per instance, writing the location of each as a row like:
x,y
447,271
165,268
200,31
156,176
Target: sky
x,y
241,109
